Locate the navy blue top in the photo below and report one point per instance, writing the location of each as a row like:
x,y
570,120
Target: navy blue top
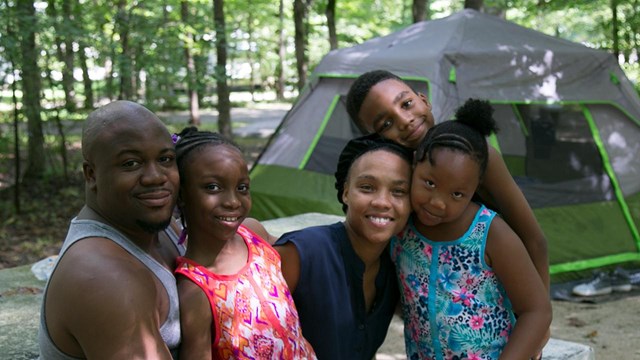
x,y
329,295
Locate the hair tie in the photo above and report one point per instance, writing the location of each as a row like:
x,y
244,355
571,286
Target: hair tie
x,y
183,236
175,138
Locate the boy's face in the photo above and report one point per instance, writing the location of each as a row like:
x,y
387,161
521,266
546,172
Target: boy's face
x,y
440,192
215,194
393,110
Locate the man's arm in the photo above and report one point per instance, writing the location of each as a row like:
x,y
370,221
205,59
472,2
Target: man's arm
x,y
108,302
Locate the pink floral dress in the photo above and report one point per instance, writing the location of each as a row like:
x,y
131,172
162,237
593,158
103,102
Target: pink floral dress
x,y
254,316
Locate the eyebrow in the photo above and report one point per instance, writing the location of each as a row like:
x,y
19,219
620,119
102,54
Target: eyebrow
x,y
400,95
397,99
371,177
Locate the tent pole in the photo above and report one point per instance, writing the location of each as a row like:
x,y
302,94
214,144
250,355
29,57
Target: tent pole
x,y
612,176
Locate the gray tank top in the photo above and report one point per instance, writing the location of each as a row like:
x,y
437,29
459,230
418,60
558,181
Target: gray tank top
x,y
82,229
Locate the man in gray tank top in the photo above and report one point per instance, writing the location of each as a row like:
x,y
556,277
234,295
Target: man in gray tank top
x,y
112,294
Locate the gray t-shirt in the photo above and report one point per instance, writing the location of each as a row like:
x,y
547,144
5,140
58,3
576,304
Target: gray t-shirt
x,y
82,229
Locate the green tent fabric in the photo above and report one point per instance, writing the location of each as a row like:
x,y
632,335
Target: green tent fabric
x,y
568,117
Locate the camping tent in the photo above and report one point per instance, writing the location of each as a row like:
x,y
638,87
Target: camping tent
x,y
569,122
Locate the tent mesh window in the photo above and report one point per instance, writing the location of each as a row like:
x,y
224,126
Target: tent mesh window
x,y
550,151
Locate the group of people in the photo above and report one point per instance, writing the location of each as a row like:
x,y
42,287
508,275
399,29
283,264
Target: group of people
x,y
420,231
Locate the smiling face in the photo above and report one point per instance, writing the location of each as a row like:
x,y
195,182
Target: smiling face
x,y
214,194
131,173
441,192
393,110
377,196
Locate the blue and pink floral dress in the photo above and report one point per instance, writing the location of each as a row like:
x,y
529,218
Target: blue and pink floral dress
x,y
453,304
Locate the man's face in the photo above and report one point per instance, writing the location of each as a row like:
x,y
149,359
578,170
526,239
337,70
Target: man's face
x,y
135,178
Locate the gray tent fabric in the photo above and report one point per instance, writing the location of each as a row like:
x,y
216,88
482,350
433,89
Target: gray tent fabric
x,y
568,118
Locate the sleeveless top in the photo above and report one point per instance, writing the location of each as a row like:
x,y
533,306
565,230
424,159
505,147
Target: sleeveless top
x,y
330,295
254,316
452,302
83,228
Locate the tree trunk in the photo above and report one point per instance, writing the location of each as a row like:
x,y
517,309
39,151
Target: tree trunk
x,y
16,142
300,10
614,25
124,60
82,58
474,4
11,55
31,89
331,23
86,79
419,10
59,127
281,54
224,105
64,48
250,59
67,71
194,106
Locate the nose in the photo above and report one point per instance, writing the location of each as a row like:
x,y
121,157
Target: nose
x,y
437,202
403,119
154,174
382,200
231,200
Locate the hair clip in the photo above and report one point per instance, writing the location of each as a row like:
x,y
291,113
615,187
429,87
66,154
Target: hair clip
x,y
175,138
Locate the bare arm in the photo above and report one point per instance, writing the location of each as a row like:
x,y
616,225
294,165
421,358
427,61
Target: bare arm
x,y
512,265
259,229
290,264
195,321
499,189
105,305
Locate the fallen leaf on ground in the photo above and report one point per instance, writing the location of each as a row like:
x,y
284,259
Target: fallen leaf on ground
x,y
575,322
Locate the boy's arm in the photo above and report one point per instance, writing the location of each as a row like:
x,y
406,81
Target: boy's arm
x,y
511,263
195,321
500,190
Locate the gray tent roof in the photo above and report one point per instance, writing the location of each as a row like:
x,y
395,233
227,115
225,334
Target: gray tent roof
x,y
493,58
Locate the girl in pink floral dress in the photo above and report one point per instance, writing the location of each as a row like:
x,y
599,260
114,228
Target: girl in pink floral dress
x,y
234,302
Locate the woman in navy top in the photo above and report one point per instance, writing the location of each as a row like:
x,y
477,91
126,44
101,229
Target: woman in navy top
x,y
341,277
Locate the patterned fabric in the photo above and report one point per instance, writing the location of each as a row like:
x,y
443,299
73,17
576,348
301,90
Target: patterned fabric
x,y
454,306
254,314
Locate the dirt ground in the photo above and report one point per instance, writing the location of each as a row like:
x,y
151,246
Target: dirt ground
x,y
611,328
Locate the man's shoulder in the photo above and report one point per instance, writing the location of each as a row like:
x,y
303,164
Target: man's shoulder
x,y
99,262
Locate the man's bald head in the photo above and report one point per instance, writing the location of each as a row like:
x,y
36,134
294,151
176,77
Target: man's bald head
x,y
97,128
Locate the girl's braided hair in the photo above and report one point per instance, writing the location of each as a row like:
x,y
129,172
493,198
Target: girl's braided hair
x,y
190,139
467,134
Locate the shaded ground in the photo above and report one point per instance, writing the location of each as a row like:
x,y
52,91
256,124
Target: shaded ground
x,y
42,224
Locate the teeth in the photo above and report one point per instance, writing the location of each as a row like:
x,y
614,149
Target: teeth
x,y
230,219
380,220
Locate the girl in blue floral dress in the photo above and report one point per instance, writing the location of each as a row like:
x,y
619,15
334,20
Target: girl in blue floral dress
x,y
463,273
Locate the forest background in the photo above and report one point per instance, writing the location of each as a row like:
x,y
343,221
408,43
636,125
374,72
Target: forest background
x,y
60,59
